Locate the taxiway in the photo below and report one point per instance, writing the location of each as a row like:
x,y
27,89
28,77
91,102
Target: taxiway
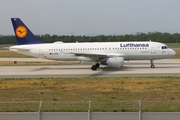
x,y
167,67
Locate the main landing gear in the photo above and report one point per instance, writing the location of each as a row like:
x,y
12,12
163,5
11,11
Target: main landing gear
x,y
152,64
95,66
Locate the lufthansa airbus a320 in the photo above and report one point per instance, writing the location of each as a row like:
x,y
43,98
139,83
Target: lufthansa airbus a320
x,y
112,54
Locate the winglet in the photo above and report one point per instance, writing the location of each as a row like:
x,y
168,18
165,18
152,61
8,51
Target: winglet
x,y
22,33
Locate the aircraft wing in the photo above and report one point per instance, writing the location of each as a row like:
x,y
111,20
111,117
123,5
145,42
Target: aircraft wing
x,y
99,56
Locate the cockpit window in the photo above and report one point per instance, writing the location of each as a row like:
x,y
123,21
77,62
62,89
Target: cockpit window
x,y
164,47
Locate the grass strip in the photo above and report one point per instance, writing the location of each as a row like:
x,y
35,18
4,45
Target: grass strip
x,y
106,94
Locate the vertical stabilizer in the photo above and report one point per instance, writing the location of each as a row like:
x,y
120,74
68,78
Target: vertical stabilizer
x,y
22,33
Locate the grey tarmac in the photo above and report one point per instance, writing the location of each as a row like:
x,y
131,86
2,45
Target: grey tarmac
x,y
166,67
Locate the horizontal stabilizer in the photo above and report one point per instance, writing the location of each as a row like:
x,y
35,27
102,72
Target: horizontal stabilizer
x,y
14,48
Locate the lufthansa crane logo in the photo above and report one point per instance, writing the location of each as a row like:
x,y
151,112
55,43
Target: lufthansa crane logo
x,y
21,31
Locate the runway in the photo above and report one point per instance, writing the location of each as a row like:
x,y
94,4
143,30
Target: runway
x,y
167,67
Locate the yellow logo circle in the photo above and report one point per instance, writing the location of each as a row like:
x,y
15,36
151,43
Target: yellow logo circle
x,y
21,31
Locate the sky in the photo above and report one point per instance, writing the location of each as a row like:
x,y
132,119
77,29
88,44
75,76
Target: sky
x,y
91,17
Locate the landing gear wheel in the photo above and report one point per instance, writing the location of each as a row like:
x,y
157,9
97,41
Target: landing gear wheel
x,y
97,65
94,67
152,66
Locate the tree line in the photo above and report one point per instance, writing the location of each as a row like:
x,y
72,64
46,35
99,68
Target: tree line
x,y
153,36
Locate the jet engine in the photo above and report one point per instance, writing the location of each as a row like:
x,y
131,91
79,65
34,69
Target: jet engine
x,y
115,62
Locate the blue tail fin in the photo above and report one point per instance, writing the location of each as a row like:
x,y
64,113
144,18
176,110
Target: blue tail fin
x,y
23,34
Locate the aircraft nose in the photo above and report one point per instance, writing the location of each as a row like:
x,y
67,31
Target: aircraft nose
x,y
172,52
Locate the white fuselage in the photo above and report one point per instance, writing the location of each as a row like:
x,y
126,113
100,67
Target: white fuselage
x,y
86,51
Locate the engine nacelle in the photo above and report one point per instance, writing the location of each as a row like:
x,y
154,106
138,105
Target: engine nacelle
x,y
115,62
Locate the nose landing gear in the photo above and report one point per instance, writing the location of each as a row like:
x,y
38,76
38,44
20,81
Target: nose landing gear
x,y
152,64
